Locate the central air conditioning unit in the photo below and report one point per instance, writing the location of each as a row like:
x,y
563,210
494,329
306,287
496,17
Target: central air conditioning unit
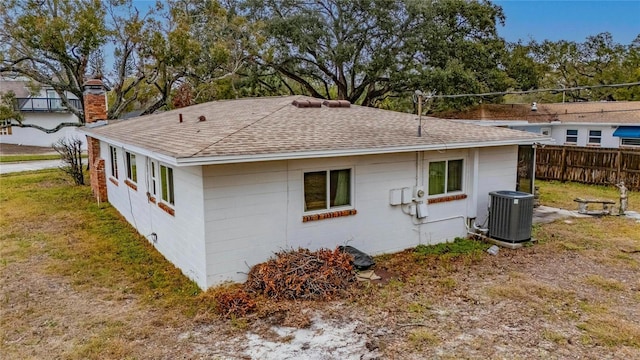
x,y
510,216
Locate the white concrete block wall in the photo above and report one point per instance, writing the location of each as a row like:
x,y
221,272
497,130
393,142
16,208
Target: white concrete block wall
x,y
180,238
254,210
245,217
35,137
559,133
447,220
497,171
377,227
230,217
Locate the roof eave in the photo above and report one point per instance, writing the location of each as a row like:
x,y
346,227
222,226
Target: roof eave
x,y
168,159
218,160
230,159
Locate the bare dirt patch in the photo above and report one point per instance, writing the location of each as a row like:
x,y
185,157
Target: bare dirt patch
x,y
44,317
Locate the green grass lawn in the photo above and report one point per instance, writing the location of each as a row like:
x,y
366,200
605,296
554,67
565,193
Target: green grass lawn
x,y
19,158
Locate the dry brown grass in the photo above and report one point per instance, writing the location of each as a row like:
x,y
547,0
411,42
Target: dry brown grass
x,y
561,195
77,283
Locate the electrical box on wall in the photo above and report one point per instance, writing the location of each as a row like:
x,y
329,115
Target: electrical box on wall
x,y
418,192
406,196
422,210
395,196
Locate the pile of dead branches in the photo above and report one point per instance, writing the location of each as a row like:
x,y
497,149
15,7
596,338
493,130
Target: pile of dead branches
x,y
228,301
302,274
234,303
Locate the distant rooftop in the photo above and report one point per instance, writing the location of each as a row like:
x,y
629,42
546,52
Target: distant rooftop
x,y
614,112
19,87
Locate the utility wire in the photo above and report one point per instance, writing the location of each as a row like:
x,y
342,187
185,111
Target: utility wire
x,y
521,92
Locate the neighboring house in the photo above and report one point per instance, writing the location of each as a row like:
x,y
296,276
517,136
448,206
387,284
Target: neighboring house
x,y
611,124
221,186
44,109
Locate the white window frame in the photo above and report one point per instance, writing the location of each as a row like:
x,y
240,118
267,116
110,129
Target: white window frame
x,y
153,178
113,160
167,183
131,166
567,136
598,137
328,207
446,177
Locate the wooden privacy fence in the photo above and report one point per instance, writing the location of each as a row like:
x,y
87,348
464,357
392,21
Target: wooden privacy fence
x,y
600,166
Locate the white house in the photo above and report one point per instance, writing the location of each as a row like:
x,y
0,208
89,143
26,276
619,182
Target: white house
x,y
608,124
44,109
221,186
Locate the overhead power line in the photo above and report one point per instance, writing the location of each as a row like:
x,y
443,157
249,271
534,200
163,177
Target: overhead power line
x,y
428,96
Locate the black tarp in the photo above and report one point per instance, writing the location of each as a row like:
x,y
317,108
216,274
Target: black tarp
x,y
361,261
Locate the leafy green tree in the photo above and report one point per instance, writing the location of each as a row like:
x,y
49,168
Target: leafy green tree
x,y
368,50
521,67
599,60
178,45
51,42
61,42
7,108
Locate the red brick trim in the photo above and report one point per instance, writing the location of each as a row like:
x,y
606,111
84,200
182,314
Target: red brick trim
x,y
131,184
97,173
447,198
167,209
114,181
329,215
151,198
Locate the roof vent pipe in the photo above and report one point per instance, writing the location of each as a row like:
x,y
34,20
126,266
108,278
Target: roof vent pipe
x,y
180,117
202,118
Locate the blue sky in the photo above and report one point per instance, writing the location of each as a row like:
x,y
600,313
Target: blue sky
x,y
569,20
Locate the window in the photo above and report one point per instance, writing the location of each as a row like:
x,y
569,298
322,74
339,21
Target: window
x,y
166,184
325,190
114,161
630,142
445,176
572,136
54,101
153,174
595,137
5,127
132,173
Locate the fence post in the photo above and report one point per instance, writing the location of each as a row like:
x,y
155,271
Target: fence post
x,y
563,163
618,165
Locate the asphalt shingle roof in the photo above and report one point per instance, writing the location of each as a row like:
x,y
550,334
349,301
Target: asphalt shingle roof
x,y
272,125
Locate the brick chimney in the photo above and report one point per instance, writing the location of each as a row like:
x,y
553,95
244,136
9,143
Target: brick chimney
x,y
95,100
95,108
